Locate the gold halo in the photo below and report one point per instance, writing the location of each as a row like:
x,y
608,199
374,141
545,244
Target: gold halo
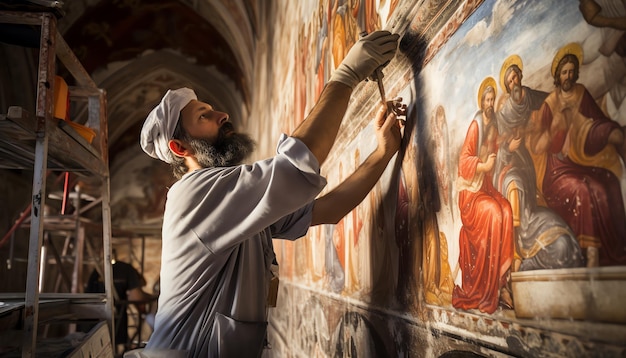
x,y
571,48
510,61
488,81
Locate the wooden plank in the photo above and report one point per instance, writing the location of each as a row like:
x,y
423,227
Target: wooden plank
x,y
67,149
15,136
65,127
8,307
97,345
21,118
16,140
72,64
16,17
74,155
104,132
80,92
47,68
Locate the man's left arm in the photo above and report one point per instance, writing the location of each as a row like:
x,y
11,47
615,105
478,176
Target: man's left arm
x,y
332,207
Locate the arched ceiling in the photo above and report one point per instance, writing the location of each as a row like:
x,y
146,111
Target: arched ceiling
x,y
111,32
112,39
136,50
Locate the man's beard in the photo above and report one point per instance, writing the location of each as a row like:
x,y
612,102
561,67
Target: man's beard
x,y
489,113
567,85
229,148
516,93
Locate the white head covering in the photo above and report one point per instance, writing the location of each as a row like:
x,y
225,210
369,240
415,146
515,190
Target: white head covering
x,y
159,126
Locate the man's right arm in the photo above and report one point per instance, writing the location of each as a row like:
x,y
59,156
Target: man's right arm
x,y
319,130
336,204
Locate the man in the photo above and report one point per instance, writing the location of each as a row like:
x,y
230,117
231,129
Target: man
x,y
486,238
543,239
221,216
581,148
128,285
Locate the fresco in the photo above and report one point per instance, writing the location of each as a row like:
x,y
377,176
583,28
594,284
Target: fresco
x,y
487,155
501,170
536,184
338,256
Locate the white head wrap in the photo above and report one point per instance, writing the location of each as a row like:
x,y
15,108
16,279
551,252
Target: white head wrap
x,y
160,124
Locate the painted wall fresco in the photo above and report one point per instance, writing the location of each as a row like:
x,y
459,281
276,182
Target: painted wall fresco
x,y
500,173
519,146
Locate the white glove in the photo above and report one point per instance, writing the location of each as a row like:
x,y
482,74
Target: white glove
x,y
369,53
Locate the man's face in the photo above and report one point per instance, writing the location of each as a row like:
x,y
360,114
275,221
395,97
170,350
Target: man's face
x,y
212,137
566,76
514,84
201,120
513,80
488,103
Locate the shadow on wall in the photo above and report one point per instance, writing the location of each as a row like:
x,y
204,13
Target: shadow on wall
x,y
408,226
460,354
394,276
404,295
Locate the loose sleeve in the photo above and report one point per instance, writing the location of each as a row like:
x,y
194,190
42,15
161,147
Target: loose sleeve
x,y
294,225
468,161
225,206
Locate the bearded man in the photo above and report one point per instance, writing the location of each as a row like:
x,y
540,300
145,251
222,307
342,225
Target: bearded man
x,y
486,237
542,238
514,111
582,147
218,263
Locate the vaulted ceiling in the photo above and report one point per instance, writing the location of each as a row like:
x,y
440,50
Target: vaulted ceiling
x,y
136,50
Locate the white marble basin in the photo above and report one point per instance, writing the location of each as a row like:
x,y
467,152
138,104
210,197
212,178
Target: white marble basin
x,y
594,294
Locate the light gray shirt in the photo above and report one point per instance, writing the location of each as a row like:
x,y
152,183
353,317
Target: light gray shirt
x,y
217,247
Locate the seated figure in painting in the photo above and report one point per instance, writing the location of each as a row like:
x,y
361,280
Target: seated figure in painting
x,y
486,238
542,239
578,151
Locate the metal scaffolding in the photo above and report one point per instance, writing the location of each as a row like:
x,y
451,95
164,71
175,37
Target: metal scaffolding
x,y
42,143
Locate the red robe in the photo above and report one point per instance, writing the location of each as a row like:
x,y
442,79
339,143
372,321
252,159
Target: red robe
x,y
486,238
580,185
